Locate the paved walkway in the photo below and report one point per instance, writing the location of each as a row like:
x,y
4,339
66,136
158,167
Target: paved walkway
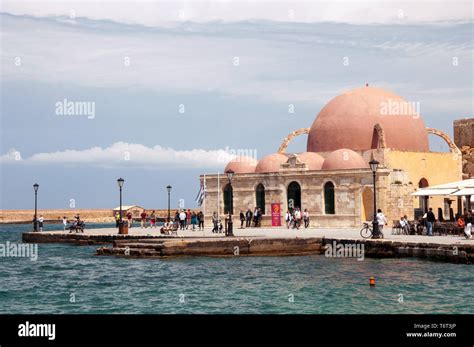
x,y
342,233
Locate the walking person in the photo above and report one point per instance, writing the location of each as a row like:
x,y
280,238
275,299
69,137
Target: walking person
x,y
306,218
430,219
242,219
143,219
215,223
297,218
193,220
381,220
201,220
65,223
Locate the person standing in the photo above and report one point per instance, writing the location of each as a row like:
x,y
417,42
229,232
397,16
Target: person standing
x,y
242,219
40,221
65,222
255,217
117,219
143,219
188,218
201,220
182,219
248,218
306,218
468,221
381,220
152,219
215,223
129,219
288,219
430,219
176,219
193,220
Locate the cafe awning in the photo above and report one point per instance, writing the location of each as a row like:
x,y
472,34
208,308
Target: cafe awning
x,y
433,192
465,191
465,187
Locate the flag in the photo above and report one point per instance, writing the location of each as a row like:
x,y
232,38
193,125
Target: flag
x,y
201,194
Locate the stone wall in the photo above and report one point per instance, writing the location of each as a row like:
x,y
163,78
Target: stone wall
x,y
464,139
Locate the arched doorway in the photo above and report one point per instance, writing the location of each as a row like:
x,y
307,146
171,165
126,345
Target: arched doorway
x,y
260,197
329,203
367,204
423,200
294,196
228,199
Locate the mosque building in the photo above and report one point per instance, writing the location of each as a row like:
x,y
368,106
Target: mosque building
x,y
332,179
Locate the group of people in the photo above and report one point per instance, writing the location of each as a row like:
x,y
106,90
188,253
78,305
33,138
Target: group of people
x,y
76,223
294,218
249,216
189,219
427,222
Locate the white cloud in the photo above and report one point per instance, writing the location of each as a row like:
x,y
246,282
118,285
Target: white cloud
x,y
122,154
12,156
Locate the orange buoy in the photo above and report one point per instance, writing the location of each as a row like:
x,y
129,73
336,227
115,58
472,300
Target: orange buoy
x,y
372,281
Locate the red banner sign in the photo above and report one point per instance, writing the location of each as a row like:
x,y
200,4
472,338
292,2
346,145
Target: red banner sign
x,y
276,215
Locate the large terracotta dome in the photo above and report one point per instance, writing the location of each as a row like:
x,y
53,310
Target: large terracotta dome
x,y
348,121
271,163
344,159
313,160
242,164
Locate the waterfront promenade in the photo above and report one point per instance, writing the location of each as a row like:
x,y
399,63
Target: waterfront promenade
x,y
149,242
335,233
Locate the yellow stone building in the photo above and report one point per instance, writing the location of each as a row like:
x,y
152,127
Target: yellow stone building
x,y
332,179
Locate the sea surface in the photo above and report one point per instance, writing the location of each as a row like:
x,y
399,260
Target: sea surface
x,y
72,279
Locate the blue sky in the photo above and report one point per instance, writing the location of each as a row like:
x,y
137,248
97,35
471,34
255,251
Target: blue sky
x,y
233,67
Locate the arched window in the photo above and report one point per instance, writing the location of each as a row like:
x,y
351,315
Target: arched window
x,y
294,196
260,197
329,198
228,199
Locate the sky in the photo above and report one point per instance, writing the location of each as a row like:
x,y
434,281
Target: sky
x,y
162,92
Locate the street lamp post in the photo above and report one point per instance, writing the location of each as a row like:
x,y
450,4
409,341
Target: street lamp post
x,y
120,182
168,188
230,176
35,222
375,225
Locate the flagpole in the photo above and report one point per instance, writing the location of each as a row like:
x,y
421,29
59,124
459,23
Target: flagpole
x,y
218,194
204,207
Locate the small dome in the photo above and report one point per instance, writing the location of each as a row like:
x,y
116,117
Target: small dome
x,y
271,163
344,159
313,160
242,164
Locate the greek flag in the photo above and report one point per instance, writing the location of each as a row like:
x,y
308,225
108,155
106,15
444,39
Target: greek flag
x,y
202,194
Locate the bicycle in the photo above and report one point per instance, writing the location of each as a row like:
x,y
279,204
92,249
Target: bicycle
x,y
367,232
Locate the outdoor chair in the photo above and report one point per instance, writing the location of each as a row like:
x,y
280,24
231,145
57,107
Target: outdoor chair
x,y
396,228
